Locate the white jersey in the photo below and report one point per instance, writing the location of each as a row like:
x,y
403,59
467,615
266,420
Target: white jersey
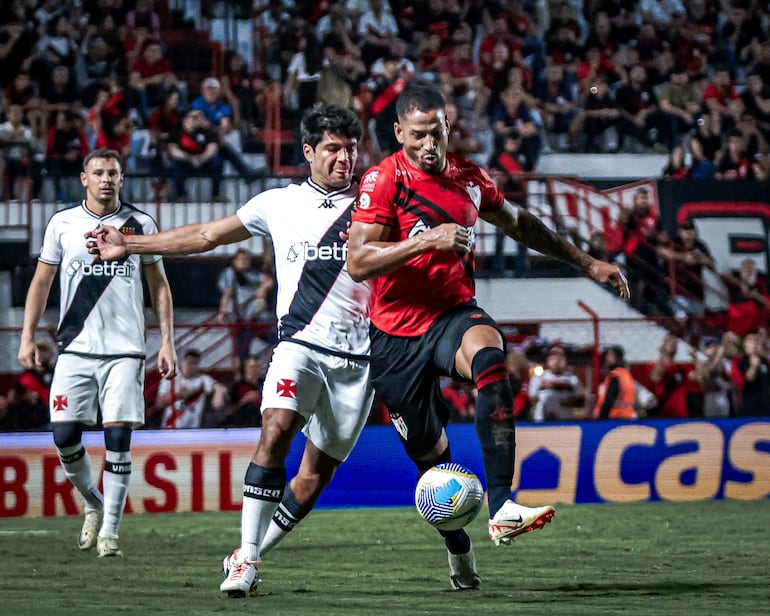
x,y
101,310
318,303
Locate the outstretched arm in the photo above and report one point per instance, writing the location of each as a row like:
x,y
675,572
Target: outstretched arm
x,y
109,243
526,228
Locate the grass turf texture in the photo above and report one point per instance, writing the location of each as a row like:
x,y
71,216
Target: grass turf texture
x,y
652,558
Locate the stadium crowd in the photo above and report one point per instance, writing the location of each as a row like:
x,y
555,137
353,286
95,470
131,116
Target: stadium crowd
x,y
524,77
691,78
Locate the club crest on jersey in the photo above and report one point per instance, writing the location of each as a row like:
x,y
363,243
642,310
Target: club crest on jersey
x,y
419,227
474,192
286,388
364,201
128,230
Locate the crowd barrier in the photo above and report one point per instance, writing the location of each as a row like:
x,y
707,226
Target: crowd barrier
x,y
603,462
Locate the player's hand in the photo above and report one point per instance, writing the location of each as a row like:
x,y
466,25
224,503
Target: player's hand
x,y
27,354
607,273
449,236
167,361
106,242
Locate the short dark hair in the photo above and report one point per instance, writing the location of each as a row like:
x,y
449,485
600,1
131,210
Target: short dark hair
x,y
101,153
419,96
331,119
192,353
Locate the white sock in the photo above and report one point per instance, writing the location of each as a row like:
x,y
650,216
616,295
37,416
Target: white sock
x,y
117,474
256,516
77,468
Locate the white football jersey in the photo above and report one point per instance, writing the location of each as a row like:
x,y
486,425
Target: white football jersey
x,y
318,303
101,304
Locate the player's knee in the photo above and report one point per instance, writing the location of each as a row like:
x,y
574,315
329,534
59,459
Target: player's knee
x,y
117,438
488,366
67,434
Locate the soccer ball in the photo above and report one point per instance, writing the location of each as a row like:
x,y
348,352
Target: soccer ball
x,y
449,496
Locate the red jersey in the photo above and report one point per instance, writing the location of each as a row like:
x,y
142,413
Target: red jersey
x,y
408,200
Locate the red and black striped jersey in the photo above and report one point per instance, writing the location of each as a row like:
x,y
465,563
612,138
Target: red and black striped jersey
x,y
408,200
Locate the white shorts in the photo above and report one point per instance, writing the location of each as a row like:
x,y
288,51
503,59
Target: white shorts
x,y
82,386
333,395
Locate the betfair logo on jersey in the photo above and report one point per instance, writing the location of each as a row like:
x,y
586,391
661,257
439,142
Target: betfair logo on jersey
x,y
110,268
307,252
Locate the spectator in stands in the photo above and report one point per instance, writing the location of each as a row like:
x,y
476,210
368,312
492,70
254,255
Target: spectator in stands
x,y
642,238
378,32
756,145
557,102
461,398
378,98
17,152
115,134
756,101
23,91
734,162
680,100
246,395
26,404
713,375
300,89
460,77
194,151
617,393
150,77
185,399
705,143
557,392
237,89
513,117
722,101
66,147
640,113
595,67
94,69
660,13
753,378
17,41
60,92
220,115
602,35
341,55
58,46
143,15
246,301
676,168
163,123
462,139
668,381
598,115
687,259
739,37
749,300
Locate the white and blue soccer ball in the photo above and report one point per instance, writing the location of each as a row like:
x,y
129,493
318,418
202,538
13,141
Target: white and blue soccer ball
x,y
449,496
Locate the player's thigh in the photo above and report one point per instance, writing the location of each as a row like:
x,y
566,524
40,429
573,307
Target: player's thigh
x,y
74,390
121,390
342,408
406,378
293,381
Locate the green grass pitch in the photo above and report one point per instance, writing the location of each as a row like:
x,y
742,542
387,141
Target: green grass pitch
x,y
697,558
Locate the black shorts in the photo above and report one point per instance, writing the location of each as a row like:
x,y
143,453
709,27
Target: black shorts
x,y
406,371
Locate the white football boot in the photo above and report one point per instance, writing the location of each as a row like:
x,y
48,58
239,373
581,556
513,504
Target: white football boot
x,y
462,571
241,576
107,546
90,528
512,520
